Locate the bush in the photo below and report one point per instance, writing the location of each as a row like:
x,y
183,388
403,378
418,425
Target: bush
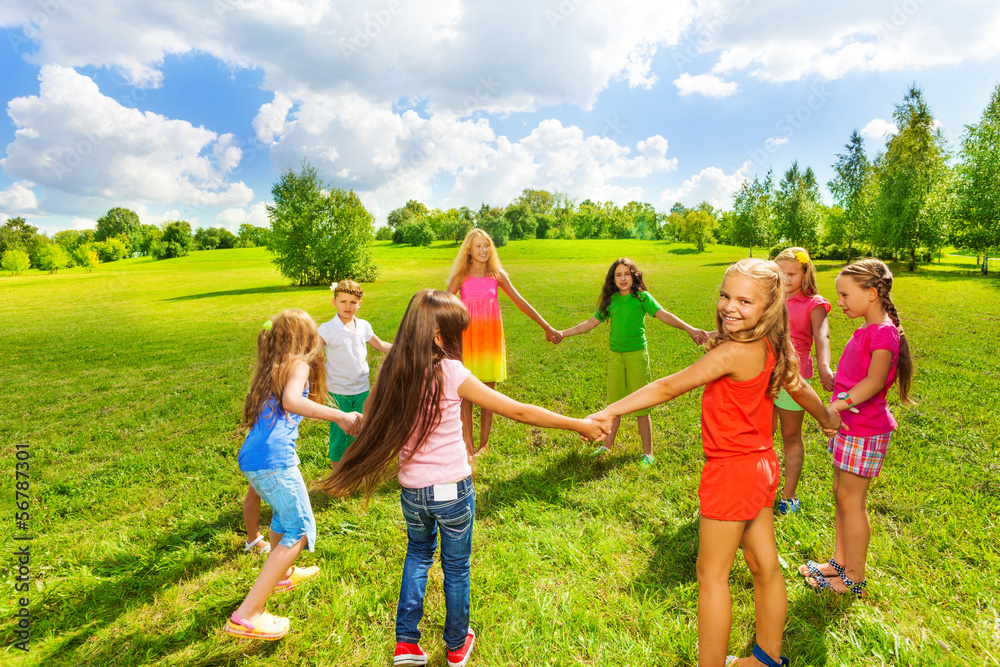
x,y
175,242
84,255
52,258
414,233
15,260
497,227
111,250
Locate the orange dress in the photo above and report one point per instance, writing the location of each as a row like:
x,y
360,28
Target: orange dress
x,y
483,349
741,474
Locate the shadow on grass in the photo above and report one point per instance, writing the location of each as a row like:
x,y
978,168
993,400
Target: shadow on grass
x,y
547,485
685,251
675,554
84,626
268,289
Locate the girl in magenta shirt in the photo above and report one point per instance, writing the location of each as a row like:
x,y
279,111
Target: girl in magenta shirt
x,y
877,356
413,422
807,325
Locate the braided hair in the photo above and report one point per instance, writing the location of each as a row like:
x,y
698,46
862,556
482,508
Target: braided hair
x,y
874,274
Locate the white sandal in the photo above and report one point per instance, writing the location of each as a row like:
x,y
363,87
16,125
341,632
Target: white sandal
x,y
264,549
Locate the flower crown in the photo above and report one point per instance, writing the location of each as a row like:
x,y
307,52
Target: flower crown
x,y
802,257
360,293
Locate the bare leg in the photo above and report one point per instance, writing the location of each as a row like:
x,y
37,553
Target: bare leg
x,y
609,441
795,450
485,423
717,543
853,528
251,514
277,565
645,425
770,600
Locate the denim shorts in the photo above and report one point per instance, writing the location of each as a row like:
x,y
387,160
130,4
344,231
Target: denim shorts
x,y
291,513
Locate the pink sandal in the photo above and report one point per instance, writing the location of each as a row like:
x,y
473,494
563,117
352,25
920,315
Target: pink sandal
x,y
268,627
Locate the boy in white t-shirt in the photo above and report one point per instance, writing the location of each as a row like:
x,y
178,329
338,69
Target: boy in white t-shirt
x,y
344,339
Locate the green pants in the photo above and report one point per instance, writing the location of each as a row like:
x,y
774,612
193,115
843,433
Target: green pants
x,y
340,441
628,372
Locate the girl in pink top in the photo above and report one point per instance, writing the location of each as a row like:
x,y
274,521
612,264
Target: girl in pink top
x,y
807,325
413,422
876,356
478,278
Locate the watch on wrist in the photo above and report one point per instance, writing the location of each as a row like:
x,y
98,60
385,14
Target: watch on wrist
x,y
844,396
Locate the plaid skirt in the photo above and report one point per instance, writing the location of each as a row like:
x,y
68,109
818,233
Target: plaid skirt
x,y
861,454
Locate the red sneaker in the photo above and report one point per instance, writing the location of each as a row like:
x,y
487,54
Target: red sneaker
x,y
461,657
409,654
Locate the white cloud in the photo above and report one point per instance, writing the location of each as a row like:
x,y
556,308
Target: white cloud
x,y
708,85
73,140
710,184
772,143
232,218
878,128
18,198
853,35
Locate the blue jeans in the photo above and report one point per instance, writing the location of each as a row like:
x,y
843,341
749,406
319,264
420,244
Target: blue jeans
x,y
424,516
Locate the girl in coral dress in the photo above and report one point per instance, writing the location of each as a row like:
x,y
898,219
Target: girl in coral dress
x,y
477,278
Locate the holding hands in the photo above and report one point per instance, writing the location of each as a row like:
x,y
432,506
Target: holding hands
x,y
593,430
831,425
351,422
699,336
552,335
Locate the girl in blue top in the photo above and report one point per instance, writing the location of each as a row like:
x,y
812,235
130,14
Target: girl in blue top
x,y
289,383
625,301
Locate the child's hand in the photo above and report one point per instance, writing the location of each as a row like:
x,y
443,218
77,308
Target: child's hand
x,y
553,336
831,426
592,430
699,336
353,421
826,377
603,419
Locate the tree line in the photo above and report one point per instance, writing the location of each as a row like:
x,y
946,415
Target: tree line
x,y
118,234
905,202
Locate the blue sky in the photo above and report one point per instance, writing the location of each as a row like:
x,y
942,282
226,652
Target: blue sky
x,y
191,110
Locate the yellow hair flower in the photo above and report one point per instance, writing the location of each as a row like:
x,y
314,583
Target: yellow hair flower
x,y
802,257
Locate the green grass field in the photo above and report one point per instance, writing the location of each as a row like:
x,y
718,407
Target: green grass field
x,y
126,385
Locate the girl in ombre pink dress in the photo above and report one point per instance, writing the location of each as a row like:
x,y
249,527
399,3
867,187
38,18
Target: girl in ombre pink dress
x,y
477,277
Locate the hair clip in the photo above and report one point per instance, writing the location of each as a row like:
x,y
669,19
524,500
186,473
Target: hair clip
x,y
333,287
267,325
802,257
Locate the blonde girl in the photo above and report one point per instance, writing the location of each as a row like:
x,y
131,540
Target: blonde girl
x,y
476,276
413,427
876,356
288,384
808,325
626,303
749,359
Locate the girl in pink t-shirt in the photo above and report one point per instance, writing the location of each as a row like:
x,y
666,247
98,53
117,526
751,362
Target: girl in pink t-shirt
x,y
413,422
807,325
877,356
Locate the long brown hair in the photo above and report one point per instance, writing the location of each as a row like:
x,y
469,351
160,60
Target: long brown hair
x,y
772,325
292,337
872,273
460,269
609,289
796,254
405,402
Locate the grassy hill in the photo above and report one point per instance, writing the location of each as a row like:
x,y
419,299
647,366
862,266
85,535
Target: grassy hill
x,y
125,386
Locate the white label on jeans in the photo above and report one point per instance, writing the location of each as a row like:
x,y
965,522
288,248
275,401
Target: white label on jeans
x,y
445,492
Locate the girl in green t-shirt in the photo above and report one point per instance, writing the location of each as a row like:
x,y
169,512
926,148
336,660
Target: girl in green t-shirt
x,y
625,301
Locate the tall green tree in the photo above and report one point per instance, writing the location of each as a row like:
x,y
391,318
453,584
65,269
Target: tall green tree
x,y
412,210
120,221
906,173
752,222
851,189
491,220
319,235
978,191
176,241
797,207
17,233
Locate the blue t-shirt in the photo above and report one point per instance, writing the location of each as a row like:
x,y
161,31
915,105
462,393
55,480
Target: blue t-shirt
x,y
271,442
